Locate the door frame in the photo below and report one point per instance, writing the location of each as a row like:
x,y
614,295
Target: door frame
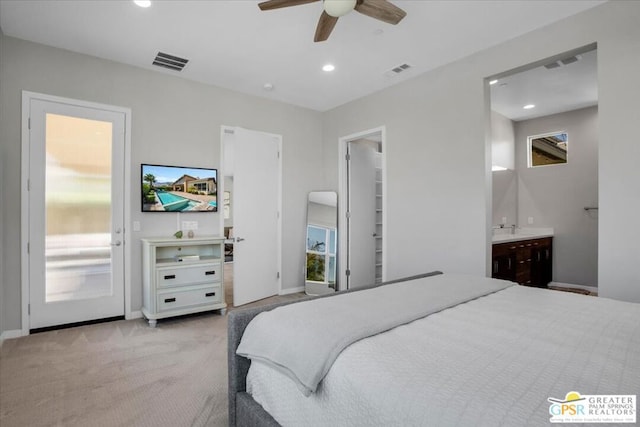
x,y
343,205
27,97
225,129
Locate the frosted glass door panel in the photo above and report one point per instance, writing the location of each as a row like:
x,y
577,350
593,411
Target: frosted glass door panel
x,y
77,208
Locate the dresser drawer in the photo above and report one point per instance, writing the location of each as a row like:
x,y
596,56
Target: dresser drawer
x,y
187,275
171,300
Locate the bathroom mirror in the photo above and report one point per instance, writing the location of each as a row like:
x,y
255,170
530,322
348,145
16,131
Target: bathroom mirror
x,y
321,242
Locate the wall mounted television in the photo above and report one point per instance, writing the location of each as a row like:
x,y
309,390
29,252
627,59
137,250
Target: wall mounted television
x,y
178,189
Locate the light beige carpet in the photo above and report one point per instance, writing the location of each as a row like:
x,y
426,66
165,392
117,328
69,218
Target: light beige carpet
x,y
120,373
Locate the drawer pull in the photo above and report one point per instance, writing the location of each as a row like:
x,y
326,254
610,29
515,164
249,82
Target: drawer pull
x,y
209,273
169,300
169,276
210,294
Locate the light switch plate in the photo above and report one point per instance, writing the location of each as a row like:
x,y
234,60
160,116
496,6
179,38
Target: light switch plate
x,y
136,225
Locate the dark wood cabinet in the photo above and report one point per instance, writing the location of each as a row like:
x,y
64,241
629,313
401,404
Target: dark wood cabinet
x,y
527,262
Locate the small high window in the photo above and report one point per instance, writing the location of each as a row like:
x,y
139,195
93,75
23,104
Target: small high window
x,y
547,149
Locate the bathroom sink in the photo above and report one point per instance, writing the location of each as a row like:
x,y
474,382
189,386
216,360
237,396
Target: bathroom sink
x,y
522,235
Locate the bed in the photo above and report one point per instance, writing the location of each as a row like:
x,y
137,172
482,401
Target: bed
x,y
435,349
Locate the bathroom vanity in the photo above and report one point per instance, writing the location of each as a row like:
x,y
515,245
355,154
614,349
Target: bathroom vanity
x,y
525,258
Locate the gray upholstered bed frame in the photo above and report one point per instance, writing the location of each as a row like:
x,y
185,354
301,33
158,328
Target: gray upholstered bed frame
x,y
243,410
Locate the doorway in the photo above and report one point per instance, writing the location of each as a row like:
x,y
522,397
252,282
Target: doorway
x,y
252,163
74,170
363,201
545,159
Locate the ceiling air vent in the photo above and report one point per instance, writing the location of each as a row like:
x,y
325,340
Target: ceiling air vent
x,y
169,61
397,70
570,60
563,61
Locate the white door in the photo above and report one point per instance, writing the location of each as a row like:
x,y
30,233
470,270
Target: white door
x,y
361,224
76,199
256,186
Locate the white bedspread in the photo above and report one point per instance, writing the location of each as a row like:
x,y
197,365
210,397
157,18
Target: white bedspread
x,y
492,361
301,340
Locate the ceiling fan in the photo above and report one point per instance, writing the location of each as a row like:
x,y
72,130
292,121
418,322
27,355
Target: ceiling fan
x,y
333,9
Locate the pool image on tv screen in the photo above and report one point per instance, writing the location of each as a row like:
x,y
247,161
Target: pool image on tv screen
x,y
178,189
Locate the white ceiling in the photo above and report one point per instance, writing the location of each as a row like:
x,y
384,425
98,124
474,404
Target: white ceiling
x,y
565,88
232,44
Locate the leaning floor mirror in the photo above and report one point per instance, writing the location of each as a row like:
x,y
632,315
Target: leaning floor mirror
x,y
322,242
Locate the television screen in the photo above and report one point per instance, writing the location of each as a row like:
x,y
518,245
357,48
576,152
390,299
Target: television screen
x,y
178,189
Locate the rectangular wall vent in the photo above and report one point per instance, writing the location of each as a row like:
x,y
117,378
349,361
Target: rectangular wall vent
x,y
397,70
170,61
563,61
570,60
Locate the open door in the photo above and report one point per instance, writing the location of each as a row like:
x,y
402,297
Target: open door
x,y
256,213
362,200
361,221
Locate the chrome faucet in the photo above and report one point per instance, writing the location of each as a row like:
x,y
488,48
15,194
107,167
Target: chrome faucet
x,y
513,229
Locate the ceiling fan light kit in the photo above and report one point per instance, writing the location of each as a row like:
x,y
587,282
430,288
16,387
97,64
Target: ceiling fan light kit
x,y
338,8
333,9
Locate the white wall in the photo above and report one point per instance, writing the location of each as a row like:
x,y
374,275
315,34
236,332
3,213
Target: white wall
x,y
555,195
502,141
438,165
505,184
174,121
2,245
505,198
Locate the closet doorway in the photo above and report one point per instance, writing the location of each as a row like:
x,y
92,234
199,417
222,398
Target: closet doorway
x,y
362,206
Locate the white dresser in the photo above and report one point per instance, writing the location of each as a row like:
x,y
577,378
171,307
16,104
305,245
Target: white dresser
x,y
182,276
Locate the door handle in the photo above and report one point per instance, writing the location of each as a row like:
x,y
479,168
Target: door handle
x,y
239,239
116,243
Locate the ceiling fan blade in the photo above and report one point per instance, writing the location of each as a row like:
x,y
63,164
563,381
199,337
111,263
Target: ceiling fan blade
x,y
277,4
325,26
382,10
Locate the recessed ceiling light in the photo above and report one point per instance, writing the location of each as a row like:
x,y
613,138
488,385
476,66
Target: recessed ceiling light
x,y
529,106
495,168
143,3
268,87
328,68
492,82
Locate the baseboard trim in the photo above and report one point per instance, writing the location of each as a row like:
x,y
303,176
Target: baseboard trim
x,y
292,290
7,335
134,315
569,285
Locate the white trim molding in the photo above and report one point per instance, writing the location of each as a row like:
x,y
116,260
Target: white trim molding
x,y
289,291
7,335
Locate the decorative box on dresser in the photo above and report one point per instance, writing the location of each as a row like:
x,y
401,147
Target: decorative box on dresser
x,y
182,276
